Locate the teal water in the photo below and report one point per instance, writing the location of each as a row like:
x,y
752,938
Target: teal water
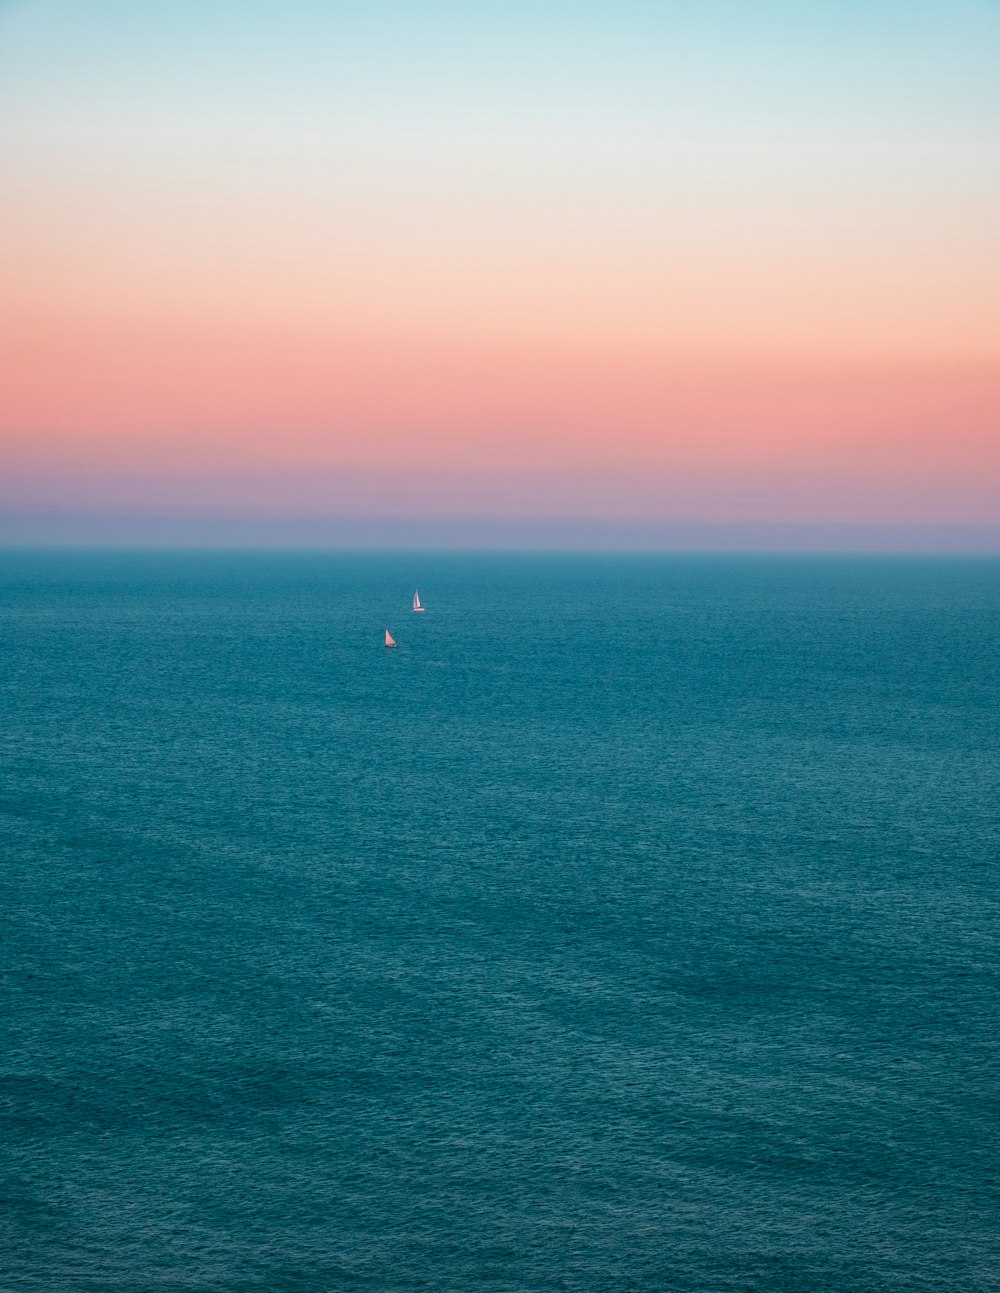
x,y
632,927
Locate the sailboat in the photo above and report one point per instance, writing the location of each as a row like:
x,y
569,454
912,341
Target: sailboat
x,y
416,602
390,641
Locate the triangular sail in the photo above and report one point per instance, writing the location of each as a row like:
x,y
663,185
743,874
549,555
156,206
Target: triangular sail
x,y
389,639
416,602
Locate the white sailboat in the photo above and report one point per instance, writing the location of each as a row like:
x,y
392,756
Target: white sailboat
x,y
416,602
390,641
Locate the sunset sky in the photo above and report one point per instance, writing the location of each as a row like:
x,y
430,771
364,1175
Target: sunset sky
x,y
491,267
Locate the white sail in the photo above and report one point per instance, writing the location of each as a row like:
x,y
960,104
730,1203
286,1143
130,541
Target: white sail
x,y
390,641
416,602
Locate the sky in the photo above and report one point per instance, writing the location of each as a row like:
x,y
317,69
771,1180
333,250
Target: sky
x,y
595,272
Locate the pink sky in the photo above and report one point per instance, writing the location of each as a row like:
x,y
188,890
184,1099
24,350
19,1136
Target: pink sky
x,y
783,307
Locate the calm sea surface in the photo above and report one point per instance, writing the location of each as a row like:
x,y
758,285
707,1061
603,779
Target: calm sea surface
x,y
632,927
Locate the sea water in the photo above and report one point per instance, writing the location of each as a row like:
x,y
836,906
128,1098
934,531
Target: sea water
x,y
632,926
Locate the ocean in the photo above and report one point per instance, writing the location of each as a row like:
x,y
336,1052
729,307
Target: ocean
x,y
633,926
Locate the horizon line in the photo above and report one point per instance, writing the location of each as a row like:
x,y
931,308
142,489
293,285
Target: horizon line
x,y
176,532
